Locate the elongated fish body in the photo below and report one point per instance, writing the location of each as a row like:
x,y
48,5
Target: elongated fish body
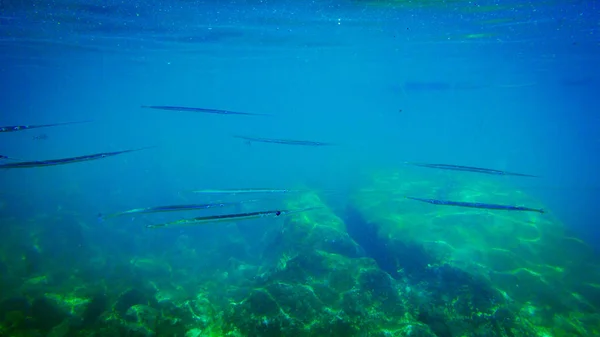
x,y
64,161
470,169
478,205
27,127
283,141
231,217
202,110
175,208
246,191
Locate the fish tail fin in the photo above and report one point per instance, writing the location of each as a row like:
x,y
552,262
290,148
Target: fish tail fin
x,y
100,218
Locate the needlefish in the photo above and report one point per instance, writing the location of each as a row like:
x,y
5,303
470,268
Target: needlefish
x,y
250,140
235,191
201,110
478,205
173,208
231,217
64,161
27,127
470,169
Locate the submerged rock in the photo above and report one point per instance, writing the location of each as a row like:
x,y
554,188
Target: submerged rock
x,y
472,272
142,319
322,285
130,298
46,314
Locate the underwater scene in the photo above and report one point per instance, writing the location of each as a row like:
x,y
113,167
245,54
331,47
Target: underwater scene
x,y
262,168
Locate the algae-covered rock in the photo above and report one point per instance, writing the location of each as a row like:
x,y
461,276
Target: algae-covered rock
x,y
481,266
204,315
142,314
322,284
142,319
51,315
130,298
97,305
61,330
195,332
69,303
380,266
319,229
14,310
47,314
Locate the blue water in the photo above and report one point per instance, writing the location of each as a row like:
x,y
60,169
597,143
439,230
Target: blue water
x,y
500,84
520,98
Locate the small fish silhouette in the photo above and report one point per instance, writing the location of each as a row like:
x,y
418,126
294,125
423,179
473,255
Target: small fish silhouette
x,y
43,136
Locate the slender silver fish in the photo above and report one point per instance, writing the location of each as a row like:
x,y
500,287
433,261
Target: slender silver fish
x,y
469,169
174,208
64,161
27,127
231,217
202,110
478,205
235,191
250,140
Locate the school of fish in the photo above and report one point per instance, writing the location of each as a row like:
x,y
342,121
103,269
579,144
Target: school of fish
x,y
15,163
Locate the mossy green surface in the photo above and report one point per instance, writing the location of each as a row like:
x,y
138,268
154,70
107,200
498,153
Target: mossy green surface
x,y
458,272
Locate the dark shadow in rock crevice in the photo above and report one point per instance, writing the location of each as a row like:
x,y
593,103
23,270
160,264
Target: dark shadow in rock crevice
x,y
366,235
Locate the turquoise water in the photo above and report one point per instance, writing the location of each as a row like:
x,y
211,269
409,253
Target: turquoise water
x,y
495,84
